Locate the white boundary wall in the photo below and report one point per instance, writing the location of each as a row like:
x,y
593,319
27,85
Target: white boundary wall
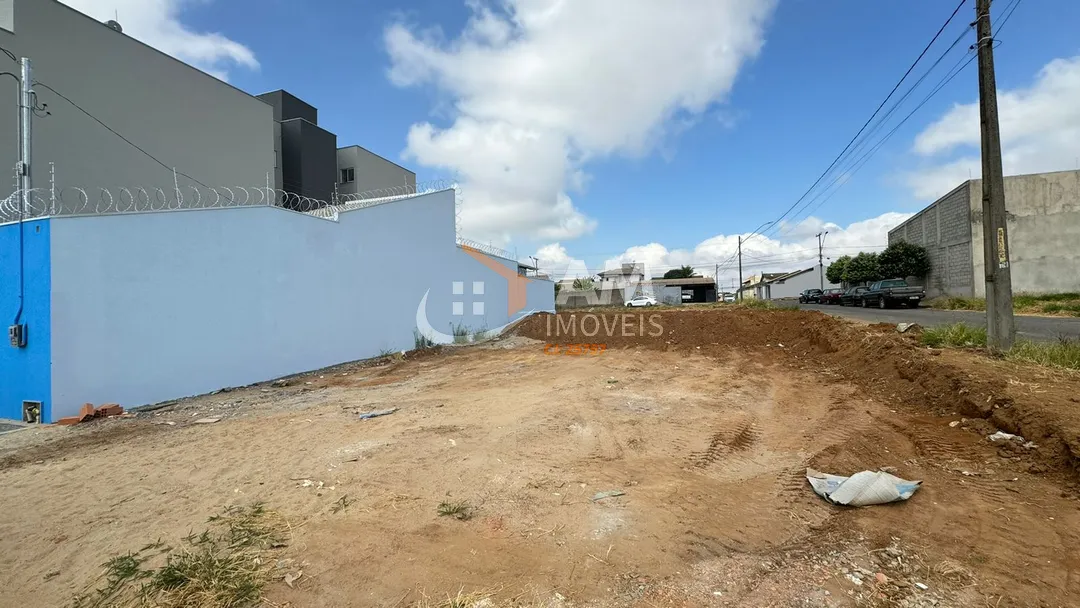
x,y
154,306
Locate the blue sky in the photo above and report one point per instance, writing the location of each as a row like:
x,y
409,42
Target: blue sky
x,y
797,79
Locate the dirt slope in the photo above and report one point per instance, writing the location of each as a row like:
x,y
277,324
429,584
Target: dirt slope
x,y
707,430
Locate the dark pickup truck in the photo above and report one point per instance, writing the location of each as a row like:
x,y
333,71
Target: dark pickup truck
x,y
884,294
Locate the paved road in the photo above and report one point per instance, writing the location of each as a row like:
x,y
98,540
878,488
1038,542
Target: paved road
x,y
1031,328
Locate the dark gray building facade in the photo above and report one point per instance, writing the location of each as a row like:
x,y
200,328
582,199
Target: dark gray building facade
x,y
306,153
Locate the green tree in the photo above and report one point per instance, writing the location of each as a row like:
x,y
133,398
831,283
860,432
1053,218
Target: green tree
x,y
862,268
835,271
901,260
685,272
584,283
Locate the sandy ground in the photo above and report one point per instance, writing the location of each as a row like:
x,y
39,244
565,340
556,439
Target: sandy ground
x,y
708,442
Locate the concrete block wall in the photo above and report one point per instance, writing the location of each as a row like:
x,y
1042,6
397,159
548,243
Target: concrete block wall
x,y
155,306
943,229
1043,214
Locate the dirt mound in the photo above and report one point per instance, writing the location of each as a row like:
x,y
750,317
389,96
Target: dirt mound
x,y
889,366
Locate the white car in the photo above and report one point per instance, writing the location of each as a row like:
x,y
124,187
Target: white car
x,y
642,301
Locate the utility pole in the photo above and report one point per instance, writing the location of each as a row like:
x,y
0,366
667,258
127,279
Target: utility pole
x,y
26,107
1001,330
740,269
17,330
820,260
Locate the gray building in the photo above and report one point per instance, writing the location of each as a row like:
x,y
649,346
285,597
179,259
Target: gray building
x,y
1043,212
305,152
103,87
360,170
181,116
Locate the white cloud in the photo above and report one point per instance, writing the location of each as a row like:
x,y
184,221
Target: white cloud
x,y
157,23
559,264
539,87
1040,131
794,247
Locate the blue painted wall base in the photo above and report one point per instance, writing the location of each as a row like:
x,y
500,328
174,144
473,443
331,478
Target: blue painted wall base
x,y
25,269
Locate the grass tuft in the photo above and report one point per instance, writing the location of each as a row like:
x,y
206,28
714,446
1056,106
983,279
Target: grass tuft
x,y
223,566
757,304
958,335
956,303
1046,303
420,341
458,510
1064,353
1073,308
461,333
476,599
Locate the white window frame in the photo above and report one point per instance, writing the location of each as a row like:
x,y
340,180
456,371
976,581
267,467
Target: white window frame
x,y
351,174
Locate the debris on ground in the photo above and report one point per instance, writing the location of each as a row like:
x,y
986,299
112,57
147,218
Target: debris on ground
x,y
1003,436
607,494
88,412
861,489
206,420
905,327
292,577
377,413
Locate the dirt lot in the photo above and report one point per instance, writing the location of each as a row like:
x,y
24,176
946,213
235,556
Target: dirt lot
x,y
707,429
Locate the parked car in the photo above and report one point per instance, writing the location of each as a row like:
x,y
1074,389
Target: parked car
x,y
729,297
642,301
884,294
831,296
853,296
809,295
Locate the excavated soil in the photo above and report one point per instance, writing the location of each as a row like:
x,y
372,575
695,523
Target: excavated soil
x,y
705,427
1040,404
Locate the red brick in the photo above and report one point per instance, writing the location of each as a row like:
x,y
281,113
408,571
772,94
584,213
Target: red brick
x,y
69,420
109,409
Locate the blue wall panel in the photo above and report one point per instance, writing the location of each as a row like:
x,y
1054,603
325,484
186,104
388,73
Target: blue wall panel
x,y
25,373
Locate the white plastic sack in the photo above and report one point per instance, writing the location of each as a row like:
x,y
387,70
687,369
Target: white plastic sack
x,y
861,489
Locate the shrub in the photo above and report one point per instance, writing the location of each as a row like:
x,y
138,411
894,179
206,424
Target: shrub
x,y
901,260
862,268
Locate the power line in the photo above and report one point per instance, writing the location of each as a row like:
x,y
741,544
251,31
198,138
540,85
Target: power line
x,y
116,133
861,161
857,164
867,123
1012,9
102,123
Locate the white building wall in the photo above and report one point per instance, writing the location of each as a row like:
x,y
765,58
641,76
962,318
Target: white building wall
x,y
154,306
791,288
